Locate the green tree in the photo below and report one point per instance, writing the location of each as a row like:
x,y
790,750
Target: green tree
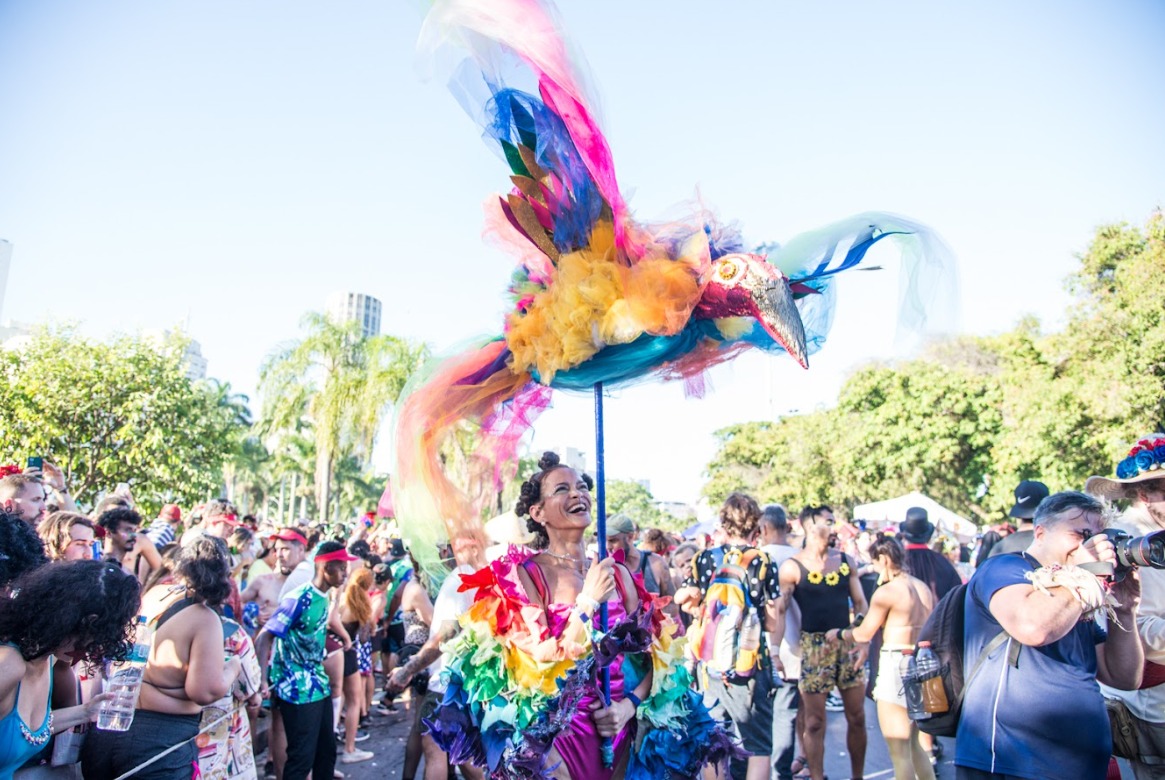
x,y
630,498
115,411
339,384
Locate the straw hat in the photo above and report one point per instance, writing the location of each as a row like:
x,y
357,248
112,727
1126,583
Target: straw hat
x,y
1145,461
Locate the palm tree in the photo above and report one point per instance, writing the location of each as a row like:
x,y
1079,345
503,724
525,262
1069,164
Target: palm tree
x,y
340,384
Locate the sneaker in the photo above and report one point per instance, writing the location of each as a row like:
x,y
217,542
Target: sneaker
x,y
360,735
269,771
936,753
385,709
833,703
356,756
337,774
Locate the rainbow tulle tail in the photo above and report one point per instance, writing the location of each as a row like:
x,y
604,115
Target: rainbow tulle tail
x,y
463,415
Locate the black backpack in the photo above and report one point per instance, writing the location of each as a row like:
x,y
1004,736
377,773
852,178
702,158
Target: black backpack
x,y
944,629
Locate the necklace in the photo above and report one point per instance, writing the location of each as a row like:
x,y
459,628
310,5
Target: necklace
x,y
40,737
579,564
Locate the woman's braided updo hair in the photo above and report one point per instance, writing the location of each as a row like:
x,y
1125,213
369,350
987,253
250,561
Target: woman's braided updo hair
x,y
531,494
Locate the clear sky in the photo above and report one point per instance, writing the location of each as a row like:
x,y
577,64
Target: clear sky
x,y
226,165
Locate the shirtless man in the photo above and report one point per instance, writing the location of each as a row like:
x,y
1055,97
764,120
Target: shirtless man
x,y
264,589
900,606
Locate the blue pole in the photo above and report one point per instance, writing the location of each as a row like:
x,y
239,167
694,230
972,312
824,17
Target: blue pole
x,y
608,747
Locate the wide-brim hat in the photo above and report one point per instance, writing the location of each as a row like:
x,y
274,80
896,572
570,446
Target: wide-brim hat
x,y
1145,462
916,528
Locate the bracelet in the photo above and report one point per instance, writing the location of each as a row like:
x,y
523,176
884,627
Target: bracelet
x,y
584,617
631,697
589,605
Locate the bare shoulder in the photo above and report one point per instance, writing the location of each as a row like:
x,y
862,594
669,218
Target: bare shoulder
x,y
790,572
12,668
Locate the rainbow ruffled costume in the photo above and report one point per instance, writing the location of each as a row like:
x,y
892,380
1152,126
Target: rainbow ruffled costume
x,y
515,688
597,295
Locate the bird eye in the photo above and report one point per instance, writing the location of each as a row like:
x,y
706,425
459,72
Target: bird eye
x,y
729,270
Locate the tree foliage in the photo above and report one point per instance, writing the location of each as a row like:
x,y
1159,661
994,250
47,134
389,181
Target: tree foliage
x,y
337,385
975,415
631,498
118,411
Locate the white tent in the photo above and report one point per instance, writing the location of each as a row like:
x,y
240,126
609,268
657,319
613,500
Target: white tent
x,y
893,511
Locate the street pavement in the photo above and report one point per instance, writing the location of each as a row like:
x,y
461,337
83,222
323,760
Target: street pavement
x,y
389,734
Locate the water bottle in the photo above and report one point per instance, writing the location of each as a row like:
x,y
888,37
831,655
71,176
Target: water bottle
x,y
124,680
908,669
934,695
749,646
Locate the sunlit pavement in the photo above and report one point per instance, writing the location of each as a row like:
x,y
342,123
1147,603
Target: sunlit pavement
x,y
389,734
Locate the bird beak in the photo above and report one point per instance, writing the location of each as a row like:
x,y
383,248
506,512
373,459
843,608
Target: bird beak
x,y
777,313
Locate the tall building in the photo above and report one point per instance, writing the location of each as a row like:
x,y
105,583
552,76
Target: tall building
x,y
192,360
355,307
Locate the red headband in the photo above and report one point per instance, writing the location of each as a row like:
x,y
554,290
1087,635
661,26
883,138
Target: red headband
x,y
337,555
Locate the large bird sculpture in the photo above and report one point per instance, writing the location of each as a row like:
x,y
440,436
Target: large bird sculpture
x,y
597,295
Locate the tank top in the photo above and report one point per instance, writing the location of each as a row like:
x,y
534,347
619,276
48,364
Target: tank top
x,y
650,583
19,741
823,605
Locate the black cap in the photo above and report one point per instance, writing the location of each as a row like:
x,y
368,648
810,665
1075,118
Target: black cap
x,y
1028,495
917,528
396,549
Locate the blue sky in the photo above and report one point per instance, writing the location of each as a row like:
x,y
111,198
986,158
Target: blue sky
x,y
228,164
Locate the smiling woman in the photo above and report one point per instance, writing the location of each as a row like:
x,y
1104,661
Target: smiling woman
x,y
534,702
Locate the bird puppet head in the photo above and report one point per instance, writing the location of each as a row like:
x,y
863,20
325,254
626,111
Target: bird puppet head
x,y
746,285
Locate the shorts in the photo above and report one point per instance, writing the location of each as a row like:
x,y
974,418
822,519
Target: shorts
x,y
394,638
364,658
332,643
746,709
888,685
826,665
351,665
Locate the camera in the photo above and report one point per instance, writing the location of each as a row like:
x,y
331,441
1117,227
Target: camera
x,y
1133,551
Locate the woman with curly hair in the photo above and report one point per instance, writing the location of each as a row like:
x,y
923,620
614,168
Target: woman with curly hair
x,y
23,549
67,536
532,652
88,629
184,673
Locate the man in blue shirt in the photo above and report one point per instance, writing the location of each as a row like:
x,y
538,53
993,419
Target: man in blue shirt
x,y
1034,710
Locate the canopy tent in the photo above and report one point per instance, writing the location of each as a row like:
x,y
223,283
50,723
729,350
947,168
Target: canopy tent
x,y
893,511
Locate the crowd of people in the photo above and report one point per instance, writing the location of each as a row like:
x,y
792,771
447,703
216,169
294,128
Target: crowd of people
x,y
323,632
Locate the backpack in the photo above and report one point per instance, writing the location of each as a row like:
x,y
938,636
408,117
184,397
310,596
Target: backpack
x,y
945,630
715,635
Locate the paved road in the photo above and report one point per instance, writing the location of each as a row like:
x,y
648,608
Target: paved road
x,y
389,735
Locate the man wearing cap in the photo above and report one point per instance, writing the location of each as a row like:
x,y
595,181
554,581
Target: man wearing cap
x,y
164,529
219,518
621,533
292,559
1028,495
299,686
1140,478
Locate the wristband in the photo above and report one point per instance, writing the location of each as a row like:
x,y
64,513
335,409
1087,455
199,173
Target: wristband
x,y
588,605
631,697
